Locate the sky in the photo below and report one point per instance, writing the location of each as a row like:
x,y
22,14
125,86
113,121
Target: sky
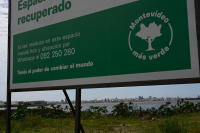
x,y
186,90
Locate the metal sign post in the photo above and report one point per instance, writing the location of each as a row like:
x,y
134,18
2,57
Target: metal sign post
x,y
78,111
8,114
72,108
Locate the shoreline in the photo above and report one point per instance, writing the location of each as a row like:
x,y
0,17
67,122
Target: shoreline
x,y
109,104
144,102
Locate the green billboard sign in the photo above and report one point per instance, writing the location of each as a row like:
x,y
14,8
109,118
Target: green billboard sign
x,y
67,43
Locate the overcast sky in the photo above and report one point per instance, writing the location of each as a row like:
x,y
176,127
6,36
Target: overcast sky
x,y
189,90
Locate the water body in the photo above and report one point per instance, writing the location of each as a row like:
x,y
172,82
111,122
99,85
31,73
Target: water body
x,y
143,105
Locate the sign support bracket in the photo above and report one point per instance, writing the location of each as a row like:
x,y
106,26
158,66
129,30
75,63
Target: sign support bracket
x,y
72,108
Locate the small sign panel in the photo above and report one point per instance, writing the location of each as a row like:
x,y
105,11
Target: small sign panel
x,y
72,42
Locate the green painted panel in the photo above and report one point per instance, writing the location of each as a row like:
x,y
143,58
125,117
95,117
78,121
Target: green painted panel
x,y
98,44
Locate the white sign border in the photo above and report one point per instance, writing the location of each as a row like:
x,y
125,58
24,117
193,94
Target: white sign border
x,y
167,75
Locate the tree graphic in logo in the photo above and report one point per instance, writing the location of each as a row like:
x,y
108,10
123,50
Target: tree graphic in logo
x,y
149,33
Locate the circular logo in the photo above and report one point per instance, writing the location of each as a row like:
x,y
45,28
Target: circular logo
x,y
150,36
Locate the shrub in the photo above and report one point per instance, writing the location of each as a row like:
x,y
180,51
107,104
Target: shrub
x,y
94,111
20,112
165,110
57,112
123,109
44,112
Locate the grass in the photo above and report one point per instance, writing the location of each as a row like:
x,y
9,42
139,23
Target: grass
x,y
183,123
2,123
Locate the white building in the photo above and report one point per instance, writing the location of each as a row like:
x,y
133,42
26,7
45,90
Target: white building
x,y
167,99
14,102
17,102
1,103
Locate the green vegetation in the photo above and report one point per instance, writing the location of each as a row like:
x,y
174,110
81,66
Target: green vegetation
x,y
184,117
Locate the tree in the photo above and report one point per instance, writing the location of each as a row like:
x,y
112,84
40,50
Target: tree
x,y
149,33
